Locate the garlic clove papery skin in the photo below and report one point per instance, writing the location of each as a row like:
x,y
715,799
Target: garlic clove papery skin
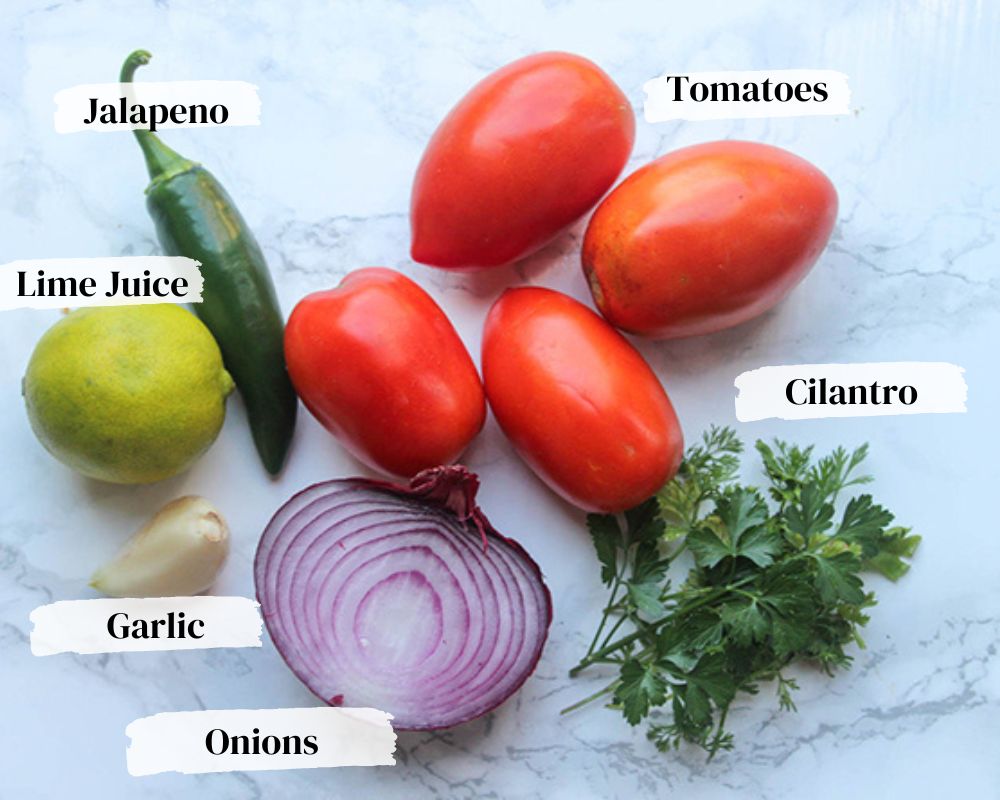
x,y
178,552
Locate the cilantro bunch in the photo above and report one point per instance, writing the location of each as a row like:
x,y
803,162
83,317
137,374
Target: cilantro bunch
x,y
775,580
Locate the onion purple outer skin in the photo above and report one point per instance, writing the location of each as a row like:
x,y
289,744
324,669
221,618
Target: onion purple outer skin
x,y
446,493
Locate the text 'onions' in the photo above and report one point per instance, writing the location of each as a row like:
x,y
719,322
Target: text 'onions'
x,y
401,598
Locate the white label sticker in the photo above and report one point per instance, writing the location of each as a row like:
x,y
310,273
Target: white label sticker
x,y
113,281
192,742
108,625
747,94
814,391
155,105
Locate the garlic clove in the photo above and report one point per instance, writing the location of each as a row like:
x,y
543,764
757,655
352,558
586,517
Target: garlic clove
x,y
178,552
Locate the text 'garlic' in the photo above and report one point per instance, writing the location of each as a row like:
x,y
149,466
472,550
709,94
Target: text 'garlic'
x,y
178,552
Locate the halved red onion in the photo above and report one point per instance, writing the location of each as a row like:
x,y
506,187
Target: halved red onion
x,y
404,599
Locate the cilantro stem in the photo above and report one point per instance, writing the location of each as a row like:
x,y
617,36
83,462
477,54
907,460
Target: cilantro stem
x,y
652,626
604,616
590,698
719,737
612,632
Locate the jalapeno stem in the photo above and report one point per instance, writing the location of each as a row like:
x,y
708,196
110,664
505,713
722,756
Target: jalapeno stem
x,y
135,60
161,161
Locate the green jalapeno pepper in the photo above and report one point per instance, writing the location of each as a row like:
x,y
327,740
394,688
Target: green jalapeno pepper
x,y
195,217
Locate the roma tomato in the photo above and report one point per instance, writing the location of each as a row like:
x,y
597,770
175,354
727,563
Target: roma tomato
x,y
378,363
706,237
525,153
578,402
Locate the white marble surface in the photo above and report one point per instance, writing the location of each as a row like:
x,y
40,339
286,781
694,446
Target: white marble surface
x,y
351,91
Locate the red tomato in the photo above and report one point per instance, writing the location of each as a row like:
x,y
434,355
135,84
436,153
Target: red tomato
x,y
706,237
578,402
380,366
529,150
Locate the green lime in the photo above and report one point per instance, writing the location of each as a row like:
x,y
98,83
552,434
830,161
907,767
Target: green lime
x,y
127,394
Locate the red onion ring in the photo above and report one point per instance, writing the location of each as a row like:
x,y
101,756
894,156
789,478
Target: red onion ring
x,y
401,598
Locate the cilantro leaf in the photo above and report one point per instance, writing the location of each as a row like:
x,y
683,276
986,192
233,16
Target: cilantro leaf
x,y
790,636
811,515
745,621
707,467
833,473
644,522
896,545
640,687
786,467
791,598
691,633
740,511
679,501
760,545
692,712
711,676
715,460
742,514
862,524
837,578
606,536
645,596
706,546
